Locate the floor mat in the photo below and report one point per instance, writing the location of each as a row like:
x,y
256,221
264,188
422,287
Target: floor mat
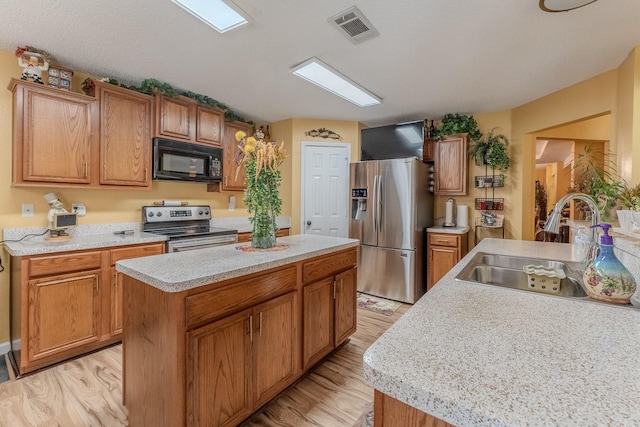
x,y
377,304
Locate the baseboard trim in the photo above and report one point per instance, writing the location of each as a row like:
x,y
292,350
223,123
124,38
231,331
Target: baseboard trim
x,y
5,347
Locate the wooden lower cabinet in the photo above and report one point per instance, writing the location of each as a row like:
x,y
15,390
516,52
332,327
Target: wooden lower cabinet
x,y
246,235
64,313
444,250
67,304
390,412
329,315
219,370
226,349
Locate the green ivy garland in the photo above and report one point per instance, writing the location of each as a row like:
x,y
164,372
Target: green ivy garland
x,y
151,86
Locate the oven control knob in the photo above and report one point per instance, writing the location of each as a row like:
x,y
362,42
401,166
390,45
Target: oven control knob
x,y
150,214
206,212
199,212
159,213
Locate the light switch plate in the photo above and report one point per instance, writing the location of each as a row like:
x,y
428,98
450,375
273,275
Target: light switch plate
x,y
28,210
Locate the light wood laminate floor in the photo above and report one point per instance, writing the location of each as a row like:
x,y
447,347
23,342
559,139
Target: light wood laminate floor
x,y
88,391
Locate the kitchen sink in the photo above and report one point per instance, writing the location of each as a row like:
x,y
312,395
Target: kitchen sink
x,y
506,271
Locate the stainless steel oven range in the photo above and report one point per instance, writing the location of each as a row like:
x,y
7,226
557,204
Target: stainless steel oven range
x,y
187,227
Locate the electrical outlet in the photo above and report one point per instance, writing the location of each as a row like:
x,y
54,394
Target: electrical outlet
x,y
79,208
28,210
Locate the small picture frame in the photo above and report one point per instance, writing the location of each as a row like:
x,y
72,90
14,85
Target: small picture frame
x,y
59,77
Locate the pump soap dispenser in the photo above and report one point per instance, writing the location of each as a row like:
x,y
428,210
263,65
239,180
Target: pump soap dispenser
x,y
606,278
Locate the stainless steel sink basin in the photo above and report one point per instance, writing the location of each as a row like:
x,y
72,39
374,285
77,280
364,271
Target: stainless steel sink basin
x,y
506,271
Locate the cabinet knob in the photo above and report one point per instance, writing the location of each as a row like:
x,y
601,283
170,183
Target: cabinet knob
x,y
308,222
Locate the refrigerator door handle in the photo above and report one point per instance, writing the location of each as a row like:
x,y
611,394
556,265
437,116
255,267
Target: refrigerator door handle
x,y
379,205
374,202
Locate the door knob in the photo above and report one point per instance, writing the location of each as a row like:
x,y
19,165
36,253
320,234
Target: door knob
x,y
308,222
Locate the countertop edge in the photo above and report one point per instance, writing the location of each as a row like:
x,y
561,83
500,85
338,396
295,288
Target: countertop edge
x,y
137,269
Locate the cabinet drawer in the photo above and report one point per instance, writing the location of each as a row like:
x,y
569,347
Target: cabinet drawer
x,y
328,265
236,296
56,264
452,240
136,252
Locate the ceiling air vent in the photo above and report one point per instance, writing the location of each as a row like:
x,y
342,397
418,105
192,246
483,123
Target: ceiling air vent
x,y
354,25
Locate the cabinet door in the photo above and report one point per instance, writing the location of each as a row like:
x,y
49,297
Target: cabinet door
x,y
345,305
175,118
234,177
317,321
451,166
116,302
125,137
441,260
219,372
54,136
428,150
64,313
274,346
209,124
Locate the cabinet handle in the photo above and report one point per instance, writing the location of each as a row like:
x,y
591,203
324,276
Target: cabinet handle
x,y
260,324
115,279
146,174
97,286
86,169
334,288
225,181
251,327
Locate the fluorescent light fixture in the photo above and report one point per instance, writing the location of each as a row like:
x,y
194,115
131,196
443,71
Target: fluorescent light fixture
x,y
319,73
222,15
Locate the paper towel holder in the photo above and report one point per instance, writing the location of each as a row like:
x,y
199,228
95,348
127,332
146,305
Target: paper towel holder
x,y
448,221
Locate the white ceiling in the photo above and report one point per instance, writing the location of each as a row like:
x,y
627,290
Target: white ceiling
x,y
432,56
552,151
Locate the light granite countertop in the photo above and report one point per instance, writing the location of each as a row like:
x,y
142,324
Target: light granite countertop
x,y
448,230
481,355
82,237
179,271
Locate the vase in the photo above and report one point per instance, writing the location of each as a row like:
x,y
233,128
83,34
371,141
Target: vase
x,y
263,235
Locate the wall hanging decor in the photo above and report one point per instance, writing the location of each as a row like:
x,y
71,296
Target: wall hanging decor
x,y
323,133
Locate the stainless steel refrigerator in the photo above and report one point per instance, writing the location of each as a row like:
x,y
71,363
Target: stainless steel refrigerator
x,y
390,209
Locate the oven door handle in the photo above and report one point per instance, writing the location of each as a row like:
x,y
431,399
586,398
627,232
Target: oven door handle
x,y
190,247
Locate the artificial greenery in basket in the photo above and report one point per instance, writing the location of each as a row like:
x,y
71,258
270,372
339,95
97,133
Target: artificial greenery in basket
x,y
261,160
492,151
455,124
630,197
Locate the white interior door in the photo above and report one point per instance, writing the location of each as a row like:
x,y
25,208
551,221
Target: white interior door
x,y
325,189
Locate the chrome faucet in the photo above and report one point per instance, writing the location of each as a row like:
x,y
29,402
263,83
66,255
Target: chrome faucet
x,y
553,222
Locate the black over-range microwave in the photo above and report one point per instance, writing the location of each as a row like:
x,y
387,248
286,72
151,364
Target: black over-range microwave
x,y
184,161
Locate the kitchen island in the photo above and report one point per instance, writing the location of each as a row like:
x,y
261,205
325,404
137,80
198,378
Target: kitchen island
x,y
469,354
212,335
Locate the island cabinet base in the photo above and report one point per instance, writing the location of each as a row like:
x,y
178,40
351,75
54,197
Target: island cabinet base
x,y
213,355
390,412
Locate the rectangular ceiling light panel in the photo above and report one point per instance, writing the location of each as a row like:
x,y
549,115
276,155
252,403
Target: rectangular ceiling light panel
x,y
222,15
320,74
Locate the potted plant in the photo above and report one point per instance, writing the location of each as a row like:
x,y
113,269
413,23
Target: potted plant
x,y
455,124
492,151
630,216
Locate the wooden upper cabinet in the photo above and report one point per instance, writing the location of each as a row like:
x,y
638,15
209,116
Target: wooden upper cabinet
x,y
125,136
175,118
184,119
428,150
451,166
53,135
234,177
209,124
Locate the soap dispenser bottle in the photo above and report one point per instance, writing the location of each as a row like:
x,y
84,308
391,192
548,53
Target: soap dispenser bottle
x,y
605,278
